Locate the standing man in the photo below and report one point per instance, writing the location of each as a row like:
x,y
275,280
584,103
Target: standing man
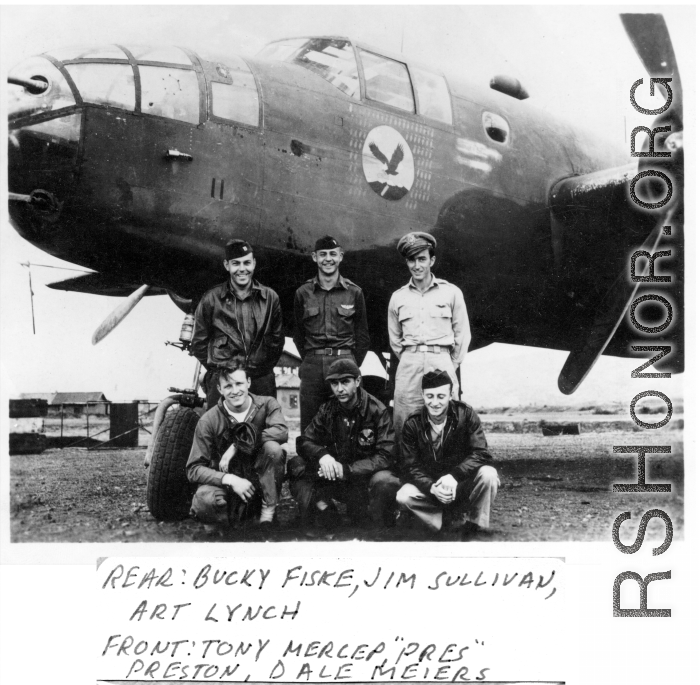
x,y
330,321
233,476
239,318
445,461
428,326
346,453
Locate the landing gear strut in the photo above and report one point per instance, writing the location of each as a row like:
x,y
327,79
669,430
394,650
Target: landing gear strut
x,y
169,493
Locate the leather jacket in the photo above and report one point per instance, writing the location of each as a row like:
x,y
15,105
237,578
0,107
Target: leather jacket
x,y
216,338
368,448
464,447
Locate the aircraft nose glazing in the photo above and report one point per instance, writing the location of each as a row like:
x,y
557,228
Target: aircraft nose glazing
x,y
36,86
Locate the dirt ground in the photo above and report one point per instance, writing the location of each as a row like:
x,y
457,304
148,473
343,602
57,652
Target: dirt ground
x,y
553,489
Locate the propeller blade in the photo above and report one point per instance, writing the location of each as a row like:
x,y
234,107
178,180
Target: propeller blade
x,y
652,42
118,315
649,35
607,320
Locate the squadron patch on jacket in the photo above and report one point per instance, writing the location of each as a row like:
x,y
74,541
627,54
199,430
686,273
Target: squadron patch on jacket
x,y
366,437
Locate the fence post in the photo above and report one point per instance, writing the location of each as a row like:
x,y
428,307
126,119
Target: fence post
x,y
87,416
61,423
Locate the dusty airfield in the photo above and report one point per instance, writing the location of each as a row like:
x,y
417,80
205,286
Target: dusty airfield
x,y
553,488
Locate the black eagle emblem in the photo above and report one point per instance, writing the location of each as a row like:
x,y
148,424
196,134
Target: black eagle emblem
x,y
391,165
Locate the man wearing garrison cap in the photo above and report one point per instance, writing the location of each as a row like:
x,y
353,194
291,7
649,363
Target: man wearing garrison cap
x,y
330,321
428,326
239,319
445,462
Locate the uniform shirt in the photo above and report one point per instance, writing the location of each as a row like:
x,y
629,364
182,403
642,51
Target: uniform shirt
x,y
437,433
436,317
334,318
245,315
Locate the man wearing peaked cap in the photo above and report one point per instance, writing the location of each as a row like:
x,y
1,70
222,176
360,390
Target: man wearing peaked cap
x,y
428,326
445,462
239,319
346,453
330,322
413,243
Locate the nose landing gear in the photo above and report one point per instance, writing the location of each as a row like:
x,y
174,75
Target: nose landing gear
x,y
169,493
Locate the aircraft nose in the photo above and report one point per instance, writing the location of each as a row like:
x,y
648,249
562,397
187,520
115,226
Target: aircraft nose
x,y
44,133
37,87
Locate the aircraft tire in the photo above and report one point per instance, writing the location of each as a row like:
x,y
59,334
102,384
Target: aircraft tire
x,y
169,493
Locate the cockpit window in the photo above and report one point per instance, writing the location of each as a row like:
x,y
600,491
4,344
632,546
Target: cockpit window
x,y
170,92
282,50
332,59
237,101
167,54
387,81
105,84
433,96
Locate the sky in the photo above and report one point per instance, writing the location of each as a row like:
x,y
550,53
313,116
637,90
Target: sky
x,y
575,61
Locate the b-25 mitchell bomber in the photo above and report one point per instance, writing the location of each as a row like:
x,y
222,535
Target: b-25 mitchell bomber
x,y
140,163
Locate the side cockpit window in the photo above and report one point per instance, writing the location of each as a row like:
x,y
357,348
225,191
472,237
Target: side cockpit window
x,y
234,93
433,95
332,59
387,81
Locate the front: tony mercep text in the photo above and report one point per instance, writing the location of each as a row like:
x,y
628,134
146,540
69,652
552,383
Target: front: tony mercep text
x,y
663,228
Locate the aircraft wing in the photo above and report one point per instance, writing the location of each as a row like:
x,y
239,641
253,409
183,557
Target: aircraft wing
x,y
102,284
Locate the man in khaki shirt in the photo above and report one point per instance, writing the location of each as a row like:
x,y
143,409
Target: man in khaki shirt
x,y
428,326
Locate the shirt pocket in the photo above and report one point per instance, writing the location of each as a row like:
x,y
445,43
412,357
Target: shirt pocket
x,y
313,321
406,313
346,320
441,319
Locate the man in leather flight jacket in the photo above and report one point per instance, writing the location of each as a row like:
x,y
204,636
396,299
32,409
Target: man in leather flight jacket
x,y
346,453
445,461
239,319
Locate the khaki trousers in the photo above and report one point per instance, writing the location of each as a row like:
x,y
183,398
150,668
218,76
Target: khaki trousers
x,y
474,497
408,396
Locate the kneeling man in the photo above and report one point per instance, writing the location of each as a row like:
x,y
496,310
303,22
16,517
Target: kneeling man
x,y
234,475
345,454
445,461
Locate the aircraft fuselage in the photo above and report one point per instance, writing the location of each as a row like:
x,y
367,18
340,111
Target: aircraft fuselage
x,y
149,198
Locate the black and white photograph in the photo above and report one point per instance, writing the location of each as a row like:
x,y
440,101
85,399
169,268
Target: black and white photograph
x,y
359,229
307,278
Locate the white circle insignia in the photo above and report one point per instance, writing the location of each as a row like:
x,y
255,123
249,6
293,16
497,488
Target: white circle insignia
x,y
387,162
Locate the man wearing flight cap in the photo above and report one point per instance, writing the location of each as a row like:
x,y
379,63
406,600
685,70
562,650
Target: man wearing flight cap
x,y
445,462
239,319
346,453
329,322
428,326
